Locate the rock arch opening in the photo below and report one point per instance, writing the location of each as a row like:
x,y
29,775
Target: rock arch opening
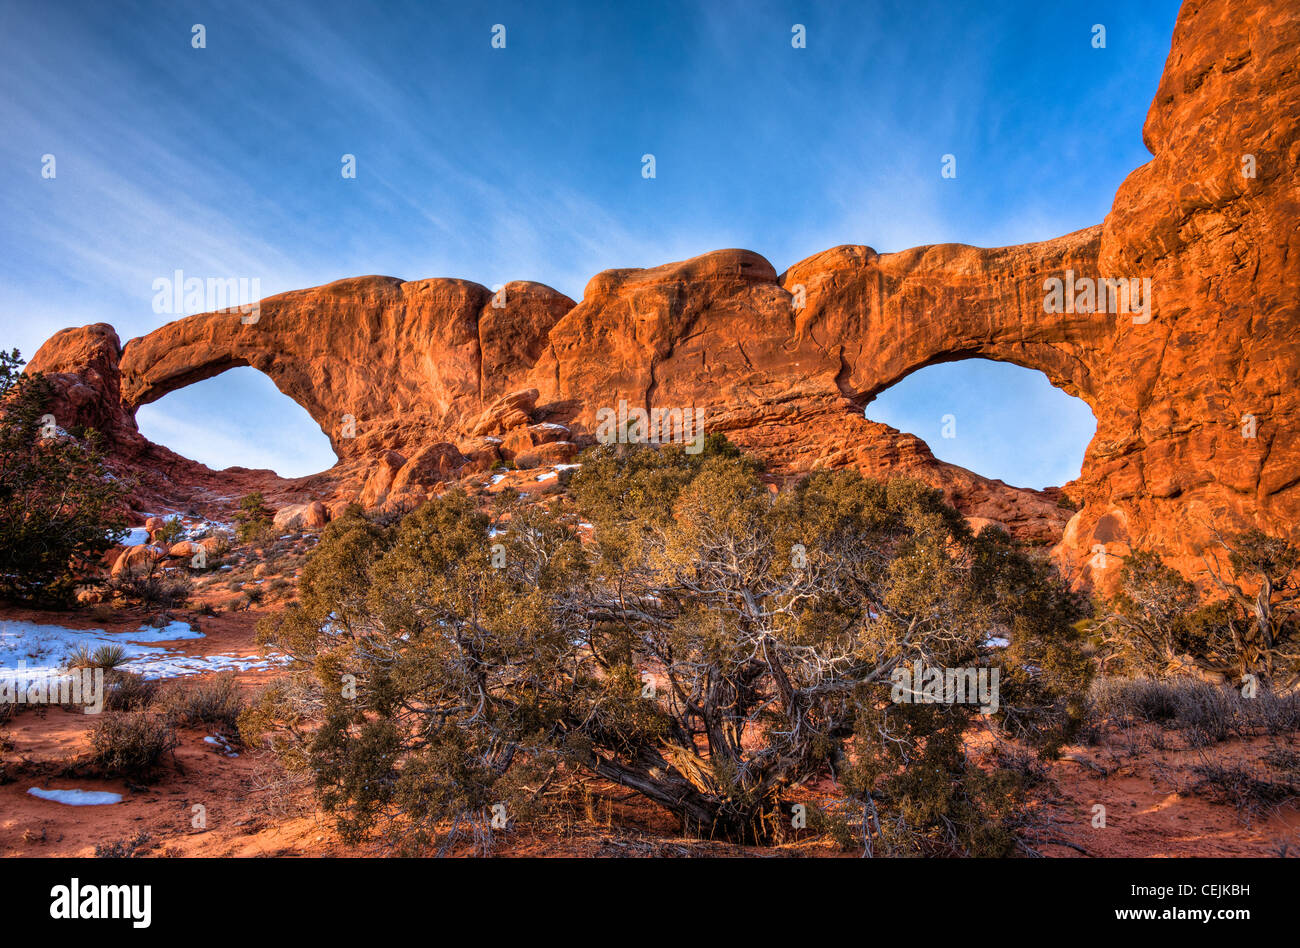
x,y
994,418
238,419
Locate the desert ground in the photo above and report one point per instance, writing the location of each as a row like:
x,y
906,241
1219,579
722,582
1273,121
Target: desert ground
x,y
1150,777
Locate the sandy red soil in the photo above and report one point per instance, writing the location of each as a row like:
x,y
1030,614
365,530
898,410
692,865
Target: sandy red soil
x,y
1150,807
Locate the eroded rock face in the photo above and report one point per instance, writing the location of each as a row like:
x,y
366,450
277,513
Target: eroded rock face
x,y
1222,249
416,382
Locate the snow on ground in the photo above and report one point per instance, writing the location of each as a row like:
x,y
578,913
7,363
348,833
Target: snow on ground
x,y
171,665
77,797
45,649
221,744
556,469
192,529
171,632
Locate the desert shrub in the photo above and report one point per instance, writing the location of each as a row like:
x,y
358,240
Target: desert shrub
x,y
124,848
1137,699
446,667
155,587
1206,713
280,585
131,743
1261,584
1270,713
1145,627
59,508
126,691
254,521
279,794
109,656
1249,787
214,701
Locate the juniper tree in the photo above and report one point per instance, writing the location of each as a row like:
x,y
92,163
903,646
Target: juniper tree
x,y
1243,621
712,647
59,506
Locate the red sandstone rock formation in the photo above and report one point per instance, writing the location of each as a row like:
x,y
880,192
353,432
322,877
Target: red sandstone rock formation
x,y
413,381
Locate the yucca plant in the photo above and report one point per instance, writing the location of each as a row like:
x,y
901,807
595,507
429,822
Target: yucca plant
x,y
109,656
106,656
81,658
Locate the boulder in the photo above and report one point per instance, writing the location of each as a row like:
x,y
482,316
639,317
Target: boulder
x,y
299,517
138,559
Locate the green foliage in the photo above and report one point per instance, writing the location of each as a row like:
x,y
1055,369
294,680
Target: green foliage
x,y
169,533
254,521
1247,622
154,586
453,662
459,659
59,508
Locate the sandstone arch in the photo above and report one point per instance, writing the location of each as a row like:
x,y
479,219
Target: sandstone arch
x,y
901,312
420,355
418,362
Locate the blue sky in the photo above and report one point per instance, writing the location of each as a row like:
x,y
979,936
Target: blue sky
x,y
525,163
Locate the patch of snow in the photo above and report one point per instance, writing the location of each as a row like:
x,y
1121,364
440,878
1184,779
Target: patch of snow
x,y
497,479
179,666
77,797
44,650
221,744
553,426
135,536
548,475
997,641
172,631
